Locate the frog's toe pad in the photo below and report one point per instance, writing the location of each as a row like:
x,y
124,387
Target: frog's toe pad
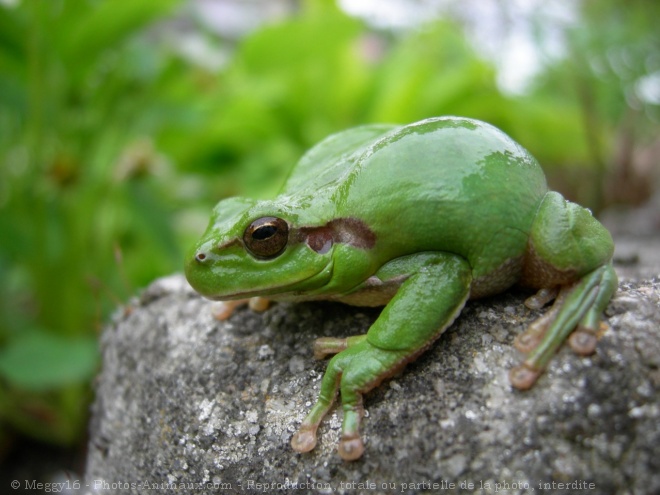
x,y
222,310
259,304
351,448
583,342
523,377
304,440
527,341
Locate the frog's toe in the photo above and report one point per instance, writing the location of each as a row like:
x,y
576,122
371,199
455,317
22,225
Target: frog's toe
x,y
527,341
351,448
326,346
532,336
259,304
541,298
523,377
222,310
583,341
305,439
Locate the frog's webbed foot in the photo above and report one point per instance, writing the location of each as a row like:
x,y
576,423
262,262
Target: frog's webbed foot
x,y
222,310
575,312
356,370
363,361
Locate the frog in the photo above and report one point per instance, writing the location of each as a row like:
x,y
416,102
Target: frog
x,y
417,219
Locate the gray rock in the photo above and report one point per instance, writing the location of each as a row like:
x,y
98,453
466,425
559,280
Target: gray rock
x,y
183,398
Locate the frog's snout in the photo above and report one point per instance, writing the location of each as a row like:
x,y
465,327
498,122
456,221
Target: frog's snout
x,y
197,272
196,260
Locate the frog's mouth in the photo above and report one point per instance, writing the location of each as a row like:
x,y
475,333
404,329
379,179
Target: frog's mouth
x,y
309,286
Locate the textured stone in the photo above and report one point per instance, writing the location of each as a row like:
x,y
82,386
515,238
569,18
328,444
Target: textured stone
x,y
184,398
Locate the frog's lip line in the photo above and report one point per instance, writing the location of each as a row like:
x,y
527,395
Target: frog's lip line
x,y
273,291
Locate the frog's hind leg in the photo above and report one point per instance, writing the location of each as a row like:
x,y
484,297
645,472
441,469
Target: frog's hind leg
x,y
576,311
570,249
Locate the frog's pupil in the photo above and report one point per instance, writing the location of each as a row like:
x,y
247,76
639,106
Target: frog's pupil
x,y
264,232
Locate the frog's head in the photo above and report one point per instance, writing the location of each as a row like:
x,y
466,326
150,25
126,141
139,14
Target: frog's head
x,y
258,248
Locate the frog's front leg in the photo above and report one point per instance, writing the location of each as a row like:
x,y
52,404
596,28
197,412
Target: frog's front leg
x,y
437,286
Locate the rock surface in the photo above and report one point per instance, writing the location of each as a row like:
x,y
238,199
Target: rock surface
x,y
184,399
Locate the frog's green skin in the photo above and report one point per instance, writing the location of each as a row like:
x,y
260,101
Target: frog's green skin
x,y
419,218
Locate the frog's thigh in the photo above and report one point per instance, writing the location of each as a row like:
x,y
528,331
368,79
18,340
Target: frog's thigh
x,y
566,242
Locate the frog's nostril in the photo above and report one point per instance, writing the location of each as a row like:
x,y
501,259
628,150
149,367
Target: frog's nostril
x,y
200,256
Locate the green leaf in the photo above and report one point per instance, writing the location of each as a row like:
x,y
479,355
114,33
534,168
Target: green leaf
x,y
39,360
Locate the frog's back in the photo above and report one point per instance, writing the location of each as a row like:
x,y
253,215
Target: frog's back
x,y
325,167
449,184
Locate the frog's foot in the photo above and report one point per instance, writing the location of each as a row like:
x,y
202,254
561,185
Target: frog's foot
x,y
222,310
326,346
576,310
352,372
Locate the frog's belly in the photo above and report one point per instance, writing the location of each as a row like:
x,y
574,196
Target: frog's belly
x,y
372,293
378,293
498,280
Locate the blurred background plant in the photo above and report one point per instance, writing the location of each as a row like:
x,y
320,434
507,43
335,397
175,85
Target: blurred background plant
x,y
122,123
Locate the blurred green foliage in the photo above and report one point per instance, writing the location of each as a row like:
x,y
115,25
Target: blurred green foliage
x,y
76,100
113,148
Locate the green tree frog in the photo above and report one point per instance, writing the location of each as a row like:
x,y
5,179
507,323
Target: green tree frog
x,y
418,219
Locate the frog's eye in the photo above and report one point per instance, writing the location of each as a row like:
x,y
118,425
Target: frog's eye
x,y
266,237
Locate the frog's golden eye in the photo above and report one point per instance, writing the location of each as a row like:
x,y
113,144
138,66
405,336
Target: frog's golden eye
x,y
266,237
